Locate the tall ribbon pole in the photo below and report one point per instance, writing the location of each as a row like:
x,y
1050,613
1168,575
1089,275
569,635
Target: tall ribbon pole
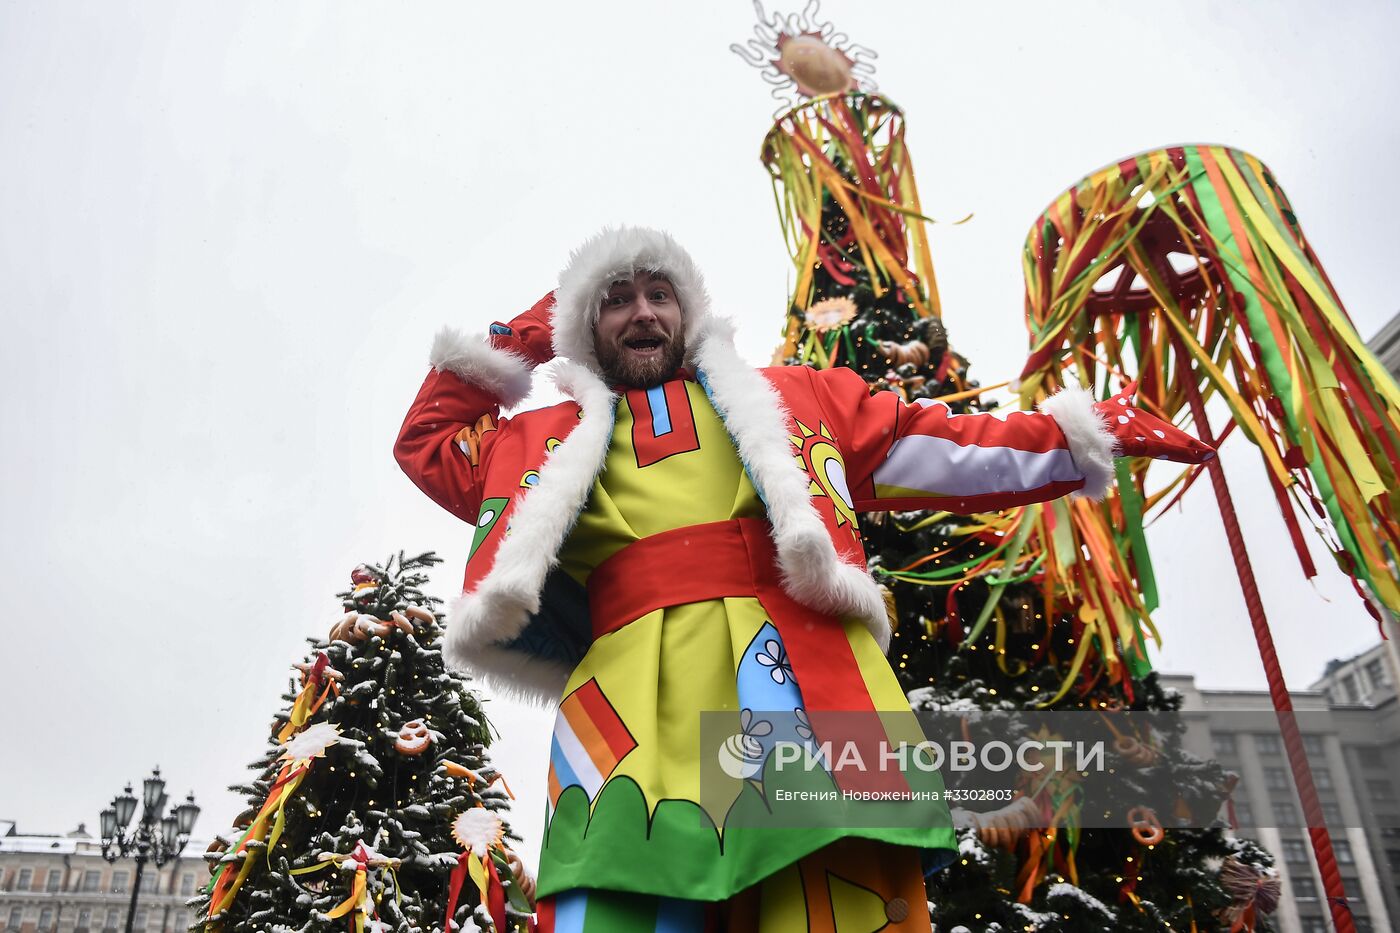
x,y
1278,689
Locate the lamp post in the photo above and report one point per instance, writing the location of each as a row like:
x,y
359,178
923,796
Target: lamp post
x,y
154,838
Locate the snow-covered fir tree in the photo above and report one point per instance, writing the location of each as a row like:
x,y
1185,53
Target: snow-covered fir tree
x,y
394,748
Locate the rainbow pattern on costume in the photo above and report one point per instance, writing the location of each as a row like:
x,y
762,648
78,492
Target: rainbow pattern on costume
x,y
589,741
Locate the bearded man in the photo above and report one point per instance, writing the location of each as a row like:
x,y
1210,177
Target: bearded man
x,y
680,537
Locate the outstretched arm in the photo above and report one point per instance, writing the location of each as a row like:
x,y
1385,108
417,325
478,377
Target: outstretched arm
x,y
923,456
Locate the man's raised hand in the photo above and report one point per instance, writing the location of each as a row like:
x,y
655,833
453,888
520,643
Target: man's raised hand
x,y
528,335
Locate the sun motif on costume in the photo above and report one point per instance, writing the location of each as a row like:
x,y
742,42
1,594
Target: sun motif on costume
x,y
799,52
817,454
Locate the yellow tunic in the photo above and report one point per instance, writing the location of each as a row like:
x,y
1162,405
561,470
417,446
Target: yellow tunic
x,y
626,809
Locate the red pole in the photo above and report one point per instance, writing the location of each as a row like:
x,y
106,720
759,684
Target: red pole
x,y
1278,690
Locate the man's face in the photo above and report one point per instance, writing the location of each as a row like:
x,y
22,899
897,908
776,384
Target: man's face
x,y
639,337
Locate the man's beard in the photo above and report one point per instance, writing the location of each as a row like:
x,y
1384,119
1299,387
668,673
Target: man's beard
x,y
621,369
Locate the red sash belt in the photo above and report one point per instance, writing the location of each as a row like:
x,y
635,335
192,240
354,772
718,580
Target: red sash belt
x,y
738,558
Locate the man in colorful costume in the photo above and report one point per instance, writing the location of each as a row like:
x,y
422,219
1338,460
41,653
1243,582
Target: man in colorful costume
x,y
680,537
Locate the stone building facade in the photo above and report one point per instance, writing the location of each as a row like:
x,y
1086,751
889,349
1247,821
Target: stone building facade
x,y
1353,749
61,884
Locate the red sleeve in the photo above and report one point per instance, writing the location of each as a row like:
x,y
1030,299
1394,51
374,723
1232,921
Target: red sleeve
x,y
443,441
921,455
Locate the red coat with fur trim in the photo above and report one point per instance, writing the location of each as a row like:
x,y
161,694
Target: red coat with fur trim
x,y
522,625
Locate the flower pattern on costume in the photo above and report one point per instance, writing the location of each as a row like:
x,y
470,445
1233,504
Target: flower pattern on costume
x,y
753,728
804,726
774,656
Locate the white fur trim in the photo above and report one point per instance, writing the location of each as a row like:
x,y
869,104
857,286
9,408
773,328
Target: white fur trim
x,y
1091,444
494,613
500,372
619,253
813,573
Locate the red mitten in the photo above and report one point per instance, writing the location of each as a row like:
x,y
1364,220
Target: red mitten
x,y
528,335
1138,433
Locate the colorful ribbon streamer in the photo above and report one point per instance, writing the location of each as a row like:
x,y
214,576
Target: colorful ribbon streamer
x,y
1197,247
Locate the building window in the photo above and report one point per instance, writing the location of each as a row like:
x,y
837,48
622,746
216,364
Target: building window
x,y
149,883
1376,672
1223,743
118,882
1304,889
1352,888
113,921
1342,850
1331,813
1276,779
1294,851
26,879
1312,744
45,919
1322,779
1349,688
1378,789
1243,814
1314,925
92,880
1393,857
1370,757
1267,743
1285,814
54,881
84,918
187,883
141,914
1362,923
16,918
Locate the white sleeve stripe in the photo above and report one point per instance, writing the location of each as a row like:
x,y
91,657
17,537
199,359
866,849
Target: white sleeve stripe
x,y
941,467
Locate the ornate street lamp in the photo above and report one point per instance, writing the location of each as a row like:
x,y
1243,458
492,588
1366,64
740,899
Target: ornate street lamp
x,y
154,838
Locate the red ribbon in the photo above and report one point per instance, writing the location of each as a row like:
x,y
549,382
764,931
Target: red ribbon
x,y
494,896
454,888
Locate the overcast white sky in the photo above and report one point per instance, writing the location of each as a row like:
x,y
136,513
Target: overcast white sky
x,y
229,230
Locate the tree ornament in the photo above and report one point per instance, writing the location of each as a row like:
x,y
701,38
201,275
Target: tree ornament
x,y
363,574
413,738
523,879
319,681
815,67
214,853
343,630
313,742
935,335
419,614
1139,754
1003,828
801,52
1146,828
368,626
830,313
477,830
1252,893
913,352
